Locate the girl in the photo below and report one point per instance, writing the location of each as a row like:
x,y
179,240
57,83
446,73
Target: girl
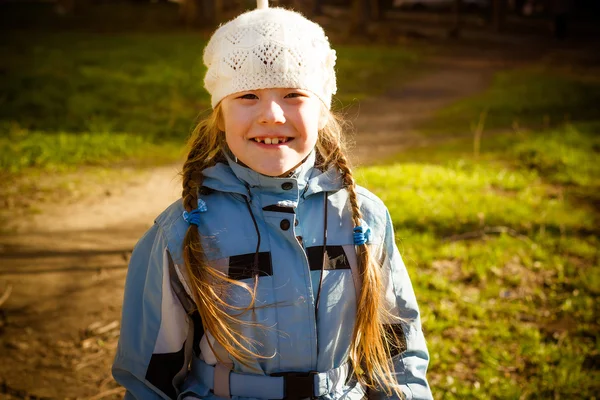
x,y
275,276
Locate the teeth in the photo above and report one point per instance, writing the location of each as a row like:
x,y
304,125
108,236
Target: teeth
x,y
271,140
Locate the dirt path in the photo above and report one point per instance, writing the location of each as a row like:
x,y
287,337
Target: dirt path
x,y
386,125
67,265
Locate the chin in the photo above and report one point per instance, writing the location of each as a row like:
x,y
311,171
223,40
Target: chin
x,y
272,170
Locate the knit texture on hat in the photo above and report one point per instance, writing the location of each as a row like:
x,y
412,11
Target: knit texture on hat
x,y
269,48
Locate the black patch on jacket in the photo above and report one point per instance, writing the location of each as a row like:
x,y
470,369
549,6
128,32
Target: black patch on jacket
x,y
396,331
276,208
242,266
198,332
162,370
337,258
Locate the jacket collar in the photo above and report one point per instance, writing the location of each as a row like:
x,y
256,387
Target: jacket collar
x,y
235,178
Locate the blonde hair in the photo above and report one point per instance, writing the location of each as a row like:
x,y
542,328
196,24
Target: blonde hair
x,y
372,344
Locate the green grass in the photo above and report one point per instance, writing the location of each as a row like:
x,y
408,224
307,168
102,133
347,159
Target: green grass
x,y
503,253
128,93
533,97
62,151
147,85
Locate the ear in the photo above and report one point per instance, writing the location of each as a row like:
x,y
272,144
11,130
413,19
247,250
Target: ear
x,y
323,118
221,123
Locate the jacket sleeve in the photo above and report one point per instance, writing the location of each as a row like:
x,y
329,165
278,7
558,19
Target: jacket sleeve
x,y
412,360
155,344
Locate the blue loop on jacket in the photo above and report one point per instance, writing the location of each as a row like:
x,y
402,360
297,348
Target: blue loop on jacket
x,y
193,217
361,235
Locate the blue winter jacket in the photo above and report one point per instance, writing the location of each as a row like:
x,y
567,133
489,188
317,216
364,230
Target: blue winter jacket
x,y
164,351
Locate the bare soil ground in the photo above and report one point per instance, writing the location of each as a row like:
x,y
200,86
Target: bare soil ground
x,y
66,266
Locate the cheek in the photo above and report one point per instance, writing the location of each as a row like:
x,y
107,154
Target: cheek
x,y
235,129
234,141
233,118
311,120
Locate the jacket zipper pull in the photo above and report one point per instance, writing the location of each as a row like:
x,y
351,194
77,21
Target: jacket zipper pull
x,y
249,194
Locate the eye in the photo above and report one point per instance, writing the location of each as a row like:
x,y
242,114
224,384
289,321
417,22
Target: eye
x,y
249,96
293,95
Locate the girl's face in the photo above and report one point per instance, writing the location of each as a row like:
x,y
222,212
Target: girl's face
x,y
272,130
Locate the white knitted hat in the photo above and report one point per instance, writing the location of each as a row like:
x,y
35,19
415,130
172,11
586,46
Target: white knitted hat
x,y
269,48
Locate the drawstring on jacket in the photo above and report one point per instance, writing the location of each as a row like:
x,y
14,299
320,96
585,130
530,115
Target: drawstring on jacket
x,y
255,267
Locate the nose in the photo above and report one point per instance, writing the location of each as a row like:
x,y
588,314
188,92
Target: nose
x,y
272,113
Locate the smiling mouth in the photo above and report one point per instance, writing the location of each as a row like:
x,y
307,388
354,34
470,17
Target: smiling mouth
x,y
266,140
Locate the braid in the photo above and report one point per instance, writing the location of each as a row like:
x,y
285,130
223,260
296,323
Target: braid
x,y
192,179
371,343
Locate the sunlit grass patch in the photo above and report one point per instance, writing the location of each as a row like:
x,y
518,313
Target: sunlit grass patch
x,y
535,97
505,316
566,156
21,150
503,251
465,196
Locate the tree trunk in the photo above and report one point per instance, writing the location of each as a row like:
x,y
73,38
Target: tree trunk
x,y
303,6
219,11
519,6
317,8
498,15
209,13
359,17
457,23
189,12
67,7
375,11
204,13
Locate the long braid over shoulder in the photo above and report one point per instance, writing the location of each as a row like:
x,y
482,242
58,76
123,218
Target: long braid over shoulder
x,y
208,284
371,342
